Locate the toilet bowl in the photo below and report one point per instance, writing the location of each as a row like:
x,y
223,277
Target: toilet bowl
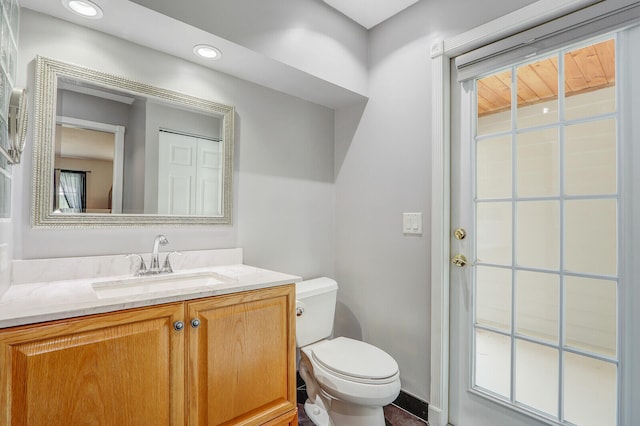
x,y
348,381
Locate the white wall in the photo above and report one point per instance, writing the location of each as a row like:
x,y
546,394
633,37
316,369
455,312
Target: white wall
x,y
5,253
383,159
6,192
6,222
283,191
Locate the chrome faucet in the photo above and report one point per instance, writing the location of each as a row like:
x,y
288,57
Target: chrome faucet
x,y
154,267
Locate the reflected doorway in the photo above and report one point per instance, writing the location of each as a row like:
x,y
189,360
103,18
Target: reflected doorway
x,y
88,167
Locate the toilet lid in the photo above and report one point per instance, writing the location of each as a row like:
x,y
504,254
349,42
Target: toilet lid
x,y
354,358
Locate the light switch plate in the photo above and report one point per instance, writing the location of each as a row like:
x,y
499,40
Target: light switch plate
x,y
412,223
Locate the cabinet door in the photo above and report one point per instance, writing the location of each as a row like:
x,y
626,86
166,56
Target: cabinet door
x,y
124,368
242,358
288,419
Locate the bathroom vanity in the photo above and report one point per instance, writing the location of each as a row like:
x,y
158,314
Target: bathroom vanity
x,y
221,352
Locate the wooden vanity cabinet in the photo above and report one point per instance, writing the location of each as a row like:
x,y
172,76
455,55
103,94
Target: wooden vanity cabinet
x,y
235,367
242,359
123,368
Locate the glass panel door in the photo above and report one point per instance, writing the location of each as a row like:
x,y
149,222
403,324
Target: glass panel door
x,y
546,208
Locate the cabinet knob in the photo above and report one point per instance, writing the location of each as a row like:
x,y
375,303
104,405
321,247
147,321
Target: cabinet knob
x,y
178,325
195,323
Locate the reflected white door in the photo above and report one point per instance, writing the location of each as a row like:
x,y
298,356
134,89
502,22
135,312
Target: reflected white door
x,y
537,183
176,174
208,182
189,170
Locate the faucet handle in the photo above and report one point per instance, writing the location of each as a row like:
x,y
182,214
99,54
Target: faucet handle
x,y
167,265
142,268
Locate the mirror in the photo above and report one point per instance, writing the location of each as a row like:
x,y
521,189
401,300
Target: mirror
x,y
109,151
18,118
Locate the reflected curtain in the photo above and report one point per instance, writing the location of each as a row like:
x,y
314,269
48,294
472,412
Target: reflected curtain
x,y
73,185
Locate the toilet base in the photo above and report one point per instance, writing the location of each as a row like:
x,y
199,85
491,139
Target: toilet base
x,y
345,414
317,413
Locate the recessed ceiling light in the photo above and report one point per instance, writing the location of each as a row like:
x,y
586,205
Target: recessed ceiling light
x,y
84,8
206,51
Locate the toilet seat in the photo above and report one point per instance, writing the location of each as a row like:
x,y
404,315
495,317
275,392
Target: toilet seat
x,y
346,387
355,361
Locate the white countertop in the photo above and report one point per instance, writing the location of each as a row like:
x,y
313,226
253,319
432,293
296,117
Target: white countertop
x,y
51,300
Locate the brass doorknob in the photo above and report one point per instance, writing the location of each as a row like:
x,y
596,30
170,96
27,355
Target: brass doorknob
x,y
459,260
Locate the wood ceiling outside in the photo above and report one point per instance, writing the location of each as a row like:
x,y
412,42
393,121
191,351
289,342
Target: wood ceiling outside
x,y
586,69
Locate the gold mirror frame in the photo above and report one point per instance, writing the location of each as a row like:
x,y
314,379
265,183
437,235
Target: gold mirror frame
x,y
48,72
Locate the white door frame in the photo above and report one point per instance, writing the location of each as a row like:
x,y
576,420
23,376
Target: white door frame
x,y
118,157
442,51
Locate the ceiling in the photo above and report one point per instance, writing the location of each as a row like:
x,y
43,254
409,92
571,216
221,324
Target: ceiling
x,y
586,69
370,13
130,21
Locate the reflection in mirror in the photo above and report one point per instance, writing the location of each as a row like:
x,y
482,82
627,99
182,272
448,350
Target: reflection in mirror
x,y
125,153
91,149
182,161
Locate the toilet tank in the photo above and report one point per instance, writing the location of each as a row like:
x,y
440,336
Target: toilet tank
x,y
317,299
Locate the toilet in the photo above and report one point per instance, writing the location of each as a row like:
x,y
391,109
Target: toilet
x,y
348,381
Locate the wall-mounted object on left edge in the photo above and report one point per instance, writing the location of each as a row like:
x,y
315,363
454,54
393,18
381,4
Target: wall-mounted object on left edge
x,y
17,124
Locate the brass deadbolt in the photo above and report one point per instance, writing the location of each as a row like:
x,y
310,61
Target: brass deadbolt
x,y
460,233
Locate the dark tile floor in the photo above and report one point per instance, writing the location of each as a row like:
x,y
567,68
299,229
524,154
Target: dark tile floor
x,y
393,416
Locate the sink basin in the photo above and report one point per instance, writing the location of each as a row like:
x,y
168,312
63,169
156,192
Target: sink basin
x,y
155,283
234,272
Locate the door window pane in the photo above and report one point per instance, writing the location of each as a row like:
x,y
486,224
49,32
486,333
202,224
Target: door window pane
x,y
589,80
494,103
494,233
538,305
590,236
589,391
493,297
493,361
537,376
537,93
590,314
538,234
494,168
590,158
538,165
